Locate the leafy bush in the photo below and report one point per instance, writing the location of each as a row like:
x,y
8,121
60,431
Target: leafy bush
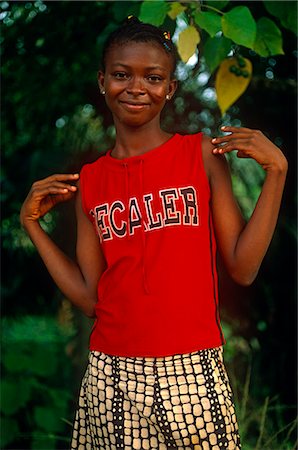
x,y
262,421
35,372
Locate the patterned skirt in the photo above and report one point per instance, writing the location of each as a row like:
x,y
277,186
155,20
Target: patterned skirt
x,y
175,402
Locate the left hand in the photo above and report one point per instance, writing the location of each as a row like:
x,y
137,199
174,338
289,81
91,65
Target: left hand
x,y
250,144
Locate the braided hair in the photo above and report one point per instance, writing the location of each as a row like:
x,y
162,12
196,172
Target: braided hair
x,y
133,30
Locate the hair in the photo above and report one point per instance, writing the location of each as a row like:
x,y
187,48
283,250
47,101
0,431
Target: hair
x,y
133,30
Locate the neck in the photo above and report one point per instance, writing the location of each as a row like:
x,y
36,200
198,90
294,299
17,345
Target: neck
x,y
134,141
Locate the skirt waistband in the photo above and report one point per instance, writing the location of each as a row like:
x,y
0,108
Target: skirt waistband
x,y
166,361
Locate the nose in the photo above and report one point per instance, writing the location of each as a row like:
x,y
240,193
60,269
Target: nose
x,y
135,86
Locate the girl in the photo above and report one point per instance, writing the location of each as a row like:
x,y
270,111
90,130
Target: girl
x,y
150,214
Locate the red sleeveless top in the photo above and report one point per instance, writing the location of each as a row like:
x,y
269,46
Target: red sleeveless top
x,y
158,295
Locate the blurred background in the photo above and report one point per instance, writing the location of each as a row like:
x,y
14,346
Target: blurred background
x,y
54,120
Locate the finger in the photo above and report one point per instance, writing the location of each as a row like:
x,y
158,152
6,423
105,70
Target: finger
x,y
42,192
59,177
58,185
236,144
64,176
229,137
237,129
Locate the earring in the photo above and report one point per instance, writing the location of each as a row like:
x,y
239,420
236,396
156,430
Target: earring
x,y
103,92
168,97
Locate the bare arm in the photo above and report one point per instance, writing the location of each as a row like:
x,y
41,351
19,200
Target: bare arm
x,y
77,280
244,245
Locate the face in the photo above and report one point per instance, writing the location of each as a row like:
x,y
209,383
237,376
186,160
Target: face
x,y
137,79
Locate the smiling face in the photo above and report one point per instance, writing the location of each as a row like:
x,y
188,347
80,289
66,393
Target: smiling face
x,y
136,81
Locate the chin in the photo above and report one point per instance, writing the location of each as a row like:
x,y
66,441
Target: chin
x,y
134,122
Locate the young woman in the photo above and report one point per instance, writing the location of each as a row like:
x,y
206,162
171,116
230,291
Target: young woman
x,y
150,214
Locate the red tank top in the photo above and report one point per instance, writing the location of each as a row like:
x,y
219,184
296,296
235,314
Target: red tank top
x,y
158,295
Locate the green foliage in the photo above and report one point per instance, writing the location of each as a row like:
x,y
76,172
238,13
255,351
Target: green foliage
x,y
260,418
269,38
239,26
236,24
154,11
217,4
208,21
34,365
9,430
285,11
215,51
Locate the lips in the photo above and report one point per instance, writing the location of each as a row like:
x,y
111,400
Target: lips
x,y
134,106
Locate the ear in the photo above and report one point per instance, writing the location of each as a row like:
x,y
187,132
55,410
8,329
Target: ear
x,y
173,84
100,79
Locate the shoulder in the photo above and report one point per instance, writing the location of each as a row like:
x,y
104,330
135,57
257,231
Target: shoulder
x,y
215,165
93,167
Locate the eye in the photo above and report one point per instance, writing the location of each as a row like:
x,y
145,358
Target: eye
x,y
120,75
154,78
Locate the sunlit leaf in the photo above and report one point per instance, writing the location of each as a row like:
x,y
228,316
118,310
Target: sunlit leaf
x,y
229,87
176,9
208,21
286,12
216,50
240,26
269,38
187,42
154,12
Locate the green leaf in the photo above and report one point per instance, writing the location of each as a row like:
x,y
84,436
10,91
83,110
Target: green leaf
x,y
14,395
47,419
216,50
176,9
269,38
240,26
217,4
60,399
285,11
44,361
9,431
154,12
208,21
188,40
16,362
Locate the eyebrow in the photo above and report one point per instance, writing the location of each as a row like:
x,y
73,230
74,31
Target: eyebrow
x,y
125,66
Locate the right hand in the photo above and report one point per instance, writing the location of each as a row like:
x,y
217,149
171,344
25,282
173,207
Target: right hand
x,y
45,194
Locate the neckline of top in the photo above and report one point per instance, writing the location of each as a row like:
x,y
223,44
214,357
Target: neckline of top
x,y
144,156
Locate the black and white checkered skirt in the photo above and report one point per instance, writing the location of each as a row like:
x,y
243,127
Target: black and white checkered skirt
x,y
175,402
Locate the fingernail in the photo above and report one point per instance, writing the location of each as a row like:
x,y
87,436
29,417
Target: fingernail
x,y
223,127
213,140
